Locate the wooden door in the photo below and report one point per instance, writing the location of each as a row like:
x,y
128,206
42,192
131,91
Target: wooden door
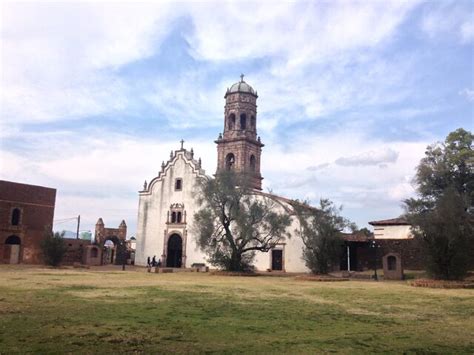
x,y
277,259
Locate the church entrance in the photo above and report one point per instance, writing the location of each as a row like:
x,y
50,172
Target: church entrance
x,y
175,251
277,259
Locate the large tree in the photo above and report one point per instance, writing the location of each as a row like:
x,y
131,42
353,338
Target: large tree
x,y
442,214
320,229
235,221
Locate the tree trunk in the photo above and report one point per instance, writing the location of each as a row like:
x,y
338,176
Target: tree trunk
x,y
235,262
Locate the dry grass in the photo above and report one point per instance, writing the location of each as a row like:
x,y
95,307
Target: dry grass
x,y
89,311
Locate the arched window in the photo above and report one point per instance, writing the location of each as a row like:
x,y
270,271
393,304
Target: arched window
x,y
13,240
231,121
178,214
16,214
243,121
252,122
392,263
229,161
252,162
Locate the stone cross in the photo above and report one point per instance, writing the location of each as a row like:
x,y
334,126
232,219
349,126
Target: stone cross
x,y
241,77
182,142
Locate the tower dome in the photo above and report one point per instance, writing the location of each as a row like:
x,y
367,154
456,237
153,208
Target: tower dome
x,y
241,86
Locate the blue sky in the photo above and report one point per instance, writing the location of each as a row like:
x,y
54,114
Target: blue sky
x,y
95,95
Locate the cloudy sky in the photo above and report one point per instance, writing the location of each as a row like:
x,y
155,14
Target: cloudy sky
x,y
94,95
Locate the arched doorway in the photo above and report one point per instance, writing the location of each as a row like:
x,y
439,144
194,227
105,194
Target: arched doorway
x,y
175,251
110,250
11,250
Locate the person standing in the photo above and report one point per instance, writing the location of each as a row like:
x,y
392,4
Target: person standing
x,y
148,262
153,262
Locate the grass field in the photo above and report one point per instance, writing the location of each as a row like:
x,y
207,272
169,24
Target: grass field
x,y
90,311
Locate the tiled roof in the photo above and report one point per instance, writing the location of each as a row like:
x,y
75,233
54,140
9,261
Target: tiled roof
x,y
400,221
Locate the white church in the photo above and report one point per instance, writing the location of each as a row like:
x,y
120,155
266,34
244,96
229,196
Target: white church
x,y
168,202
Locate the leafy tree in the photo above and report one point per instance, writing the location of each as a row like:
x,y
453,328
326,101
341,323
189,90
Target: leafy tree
x,y
320,229
53,247
442,216
235,221
364,231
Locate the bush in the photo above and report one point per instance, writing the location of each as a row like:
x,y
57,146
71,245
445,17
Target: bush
x,y
53,248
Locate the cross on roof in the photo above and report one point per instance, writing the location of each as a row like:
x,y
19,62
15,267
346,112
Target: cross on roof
x,y
241,77
182,142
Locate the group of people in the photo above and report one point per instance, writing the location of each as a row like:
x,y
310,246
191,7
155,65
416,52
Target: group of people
x,y
152,262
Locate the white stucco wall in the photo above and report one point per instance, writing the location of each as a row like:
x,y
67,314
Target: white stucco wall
x,y
392,232
155,202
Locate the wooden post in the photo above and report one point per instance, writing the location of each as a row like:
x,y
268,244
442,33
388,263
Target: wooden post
x,y
78,223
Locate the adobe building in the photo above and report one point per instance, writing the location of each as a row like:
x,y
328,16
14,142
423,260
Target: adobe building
x,y
26,212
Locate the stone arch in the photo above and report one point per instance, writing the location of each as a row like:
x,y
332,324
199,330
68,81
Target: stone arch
x,y
13,240
230,161
110,254
12,250
16,216
174,251
243,121
253,163
231,121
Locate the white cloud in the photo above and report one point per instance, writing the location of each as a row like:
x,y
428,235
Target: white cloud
x,y
375,157
467,93
449,18
58,59
297,32
366,191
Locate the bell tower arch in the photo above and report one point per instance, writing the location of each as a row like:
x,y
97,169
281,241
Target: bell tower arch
x,y
239,148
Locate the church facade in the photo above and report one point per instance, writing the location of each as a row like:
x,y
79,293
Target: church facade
x,y
168,202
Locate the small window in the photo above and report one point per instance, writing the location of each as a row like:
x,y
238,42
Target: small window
x,y
173,217
231,121
252,163
16,213
243,121
178,217
178,185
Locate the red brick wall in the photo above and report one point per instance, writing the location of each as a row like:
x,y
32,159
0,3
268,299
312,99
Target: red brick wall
x,y
36,204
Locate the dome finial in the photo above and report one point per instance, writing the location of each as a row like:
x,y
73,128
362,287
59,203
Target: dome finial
x,y
242,78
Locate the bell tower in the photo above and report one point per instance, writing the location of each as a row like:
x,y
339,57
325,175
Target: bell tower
x,y
239,149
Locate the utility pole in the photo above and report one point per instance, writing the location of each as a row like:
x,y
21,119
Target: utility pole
x,y
78,223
